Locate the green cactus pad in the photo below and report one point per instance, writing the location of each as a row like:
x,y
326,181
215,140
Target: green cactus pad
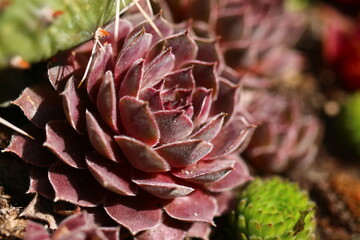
x,y
274,209
37,29
348,123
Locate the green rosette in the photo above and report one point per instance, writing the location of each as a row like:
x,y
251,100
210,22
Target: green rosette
x,y
274,209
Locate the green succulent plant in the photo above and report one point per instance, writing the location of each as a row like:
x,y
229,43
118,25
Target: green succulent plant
x,y
273,209
348,123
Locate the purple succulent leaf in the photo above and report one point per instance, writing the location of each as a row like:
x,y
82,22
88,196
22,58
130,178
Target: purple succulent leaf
x,y
228,22
134,48
74,107
107,103
111,233
84,234
102,61
199,230
153,97
161,185
196,207
232,136
175,97
31,151
74,222
184,153
138,120
182,78
35,231
39,183
205,171
188,109
125,27
158,67
40,103
225,201
169,229
159,85
162,24
227,99
57,134
205,75
131,84
209,51
62,67
141,156
101,138
239,175
75,186
112,176
183,47
100,217
209,130
309,132
174,125
134,213
202,101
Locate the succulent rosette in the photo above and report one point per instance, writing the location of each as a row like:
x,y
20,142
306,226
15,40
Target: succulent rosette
x,y
254,35
76,227
274,209
286,137
152,136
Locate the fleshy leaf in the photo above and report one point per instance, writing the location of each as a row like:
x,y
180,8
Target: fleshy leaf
x,y
101,138
131,84
111,233
40,103
205,75
112,176
183,47
35,231
182,154
199,230
75,186
169,229
133,212
196,207
209,130
138,120
74,107
158,67
164,26
161,185
205,171
103,59
181,78
141,156
209,51
239,175
106,101
226,201
152,96
202,101
57,135
74,222
38,30
133,49
173,125
227,99
39,183
232,136
31,151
